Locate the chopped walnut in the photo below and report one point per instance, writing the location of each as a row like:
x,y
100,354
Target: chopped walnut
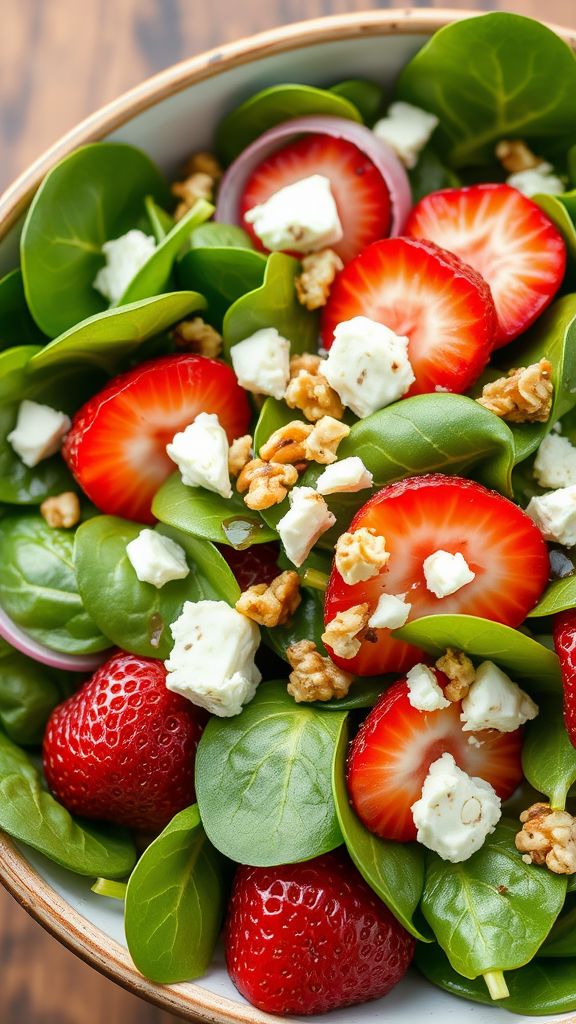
x,y
523,396
287,444
239,454
548,837
205,163
322,443
305,362
315,677
341,633
360,555
271,604
197,336
515,156
309,390
62,511
197,186
318,272
460,671
267,483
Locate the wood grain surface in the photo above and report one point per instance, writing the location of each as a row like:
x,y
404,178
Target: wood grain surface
x,y
59,61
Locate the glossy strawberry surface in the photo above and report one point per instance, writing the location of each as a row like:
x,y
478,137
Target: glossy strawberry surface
x,y
565,644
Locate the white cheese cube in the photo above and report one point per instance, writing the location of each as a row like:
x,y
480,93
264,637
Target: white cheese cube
x,y
262,362
302,217
344,477
555,463
455,812
157,559
125,256
201,454
555,515
391,612
406,129
306,520
495,702
368,365
539,180
212,661
424,691
446,573
39,432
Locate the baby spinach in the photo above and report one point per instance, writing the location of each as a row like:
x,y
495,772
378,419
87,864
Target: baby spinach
x,y
31,815
548,757
222,274
364,693
160,221
517,81
213,235
136,616
272,106
28,693
273,304
25,485
14,380
276,755
16,325
365,95
175,902
307,623
38,586
558,596
556,209
93,195
430,175
561,941
206,515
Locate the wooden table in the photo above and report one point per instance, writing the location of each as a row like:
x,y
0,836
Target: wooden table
x,y
60,60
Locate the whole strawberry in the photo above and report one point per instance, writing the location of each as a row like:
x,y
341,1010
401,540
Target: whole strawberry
x,y
122,748
565,644
307,938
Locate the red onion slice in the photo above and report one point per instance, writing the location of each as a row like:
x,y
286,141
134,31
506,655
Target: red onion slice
x,y
20,640
382,156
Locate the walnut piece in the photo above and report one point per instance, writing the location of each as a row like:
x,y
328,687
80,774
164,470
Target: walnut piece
x,y
322,442
523,396
318,272
341,633
460,671
271,604
239,454
309,390
315,677
515,156
360,555
197,336
198,185
287,444
205,163
548,837
266,483
61,511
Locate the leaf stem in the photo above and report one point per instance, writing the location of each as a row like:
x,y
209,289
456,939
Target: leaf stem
x,y
315,579
106,887
496,984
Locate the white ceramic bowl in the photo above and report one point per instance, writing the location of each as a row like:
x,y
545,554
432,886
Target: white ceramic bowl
x,y
170,116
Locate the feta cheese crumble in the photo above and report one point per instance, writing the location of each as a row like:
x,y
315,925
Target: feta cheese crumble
x,y
39,432
424,691
495,702
368,365
344,477
306,520
391,612
201,454
125,256
406,129
446,573
157,559
262,363
302,217
456,811
555,515
539,180
555,463
212,661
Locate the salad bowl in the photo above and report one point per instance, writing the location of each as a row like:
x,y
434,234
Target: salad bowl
x,y
168,117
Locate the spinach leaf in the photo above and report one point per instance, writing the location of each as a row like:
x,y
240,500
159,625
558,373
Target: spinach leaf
x,y
561,941
213,235
275,760
160,221
364,693
558,596
518,81
395,871
175,902
430,175
365,95
28,693
204,514
25,485
38,587
14,381
270,107
31,815
93,195
548,757
136,616
16,325
307,623
556,209
273,304
222,274
514,652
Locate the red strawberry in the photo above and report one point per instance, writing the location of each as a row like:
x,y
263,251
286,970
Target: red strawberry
x,y
116,448
565,644
507,238
358,188
395,746
307,938
122,748
429,296
256,564
424,514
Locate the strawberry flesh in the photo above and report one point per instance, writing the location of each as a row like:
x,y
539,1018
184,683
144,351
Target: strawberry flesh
x,y
565,644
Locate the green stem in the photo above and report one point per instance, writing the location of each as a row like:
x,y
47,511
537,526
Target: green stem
x,y
315,579
558,798
106,887
496,984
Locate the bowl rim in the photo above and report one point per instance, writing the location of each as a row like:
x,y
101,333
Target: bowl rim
x,y
187,1000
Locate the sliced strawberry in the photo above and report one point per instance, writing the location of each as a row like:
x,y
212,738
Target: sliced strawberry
x,y
116,448
395,746
361,195
429,296
507,238
565,644
425,514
